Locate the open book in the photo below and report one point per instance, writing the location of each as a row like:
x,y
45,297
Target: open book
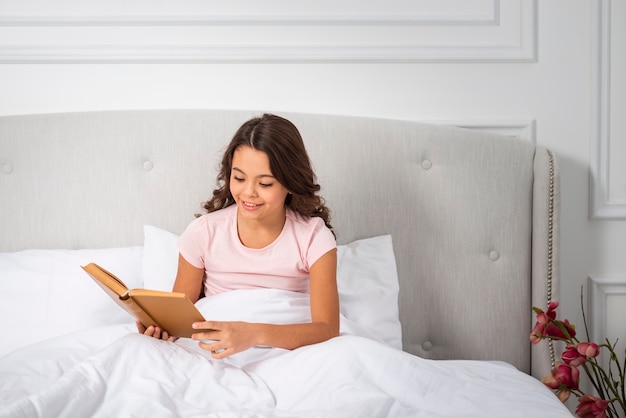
x,y
171,311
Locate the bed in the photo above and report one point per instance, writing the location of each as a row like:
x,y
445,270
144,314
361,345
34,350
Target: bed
x,y
447,238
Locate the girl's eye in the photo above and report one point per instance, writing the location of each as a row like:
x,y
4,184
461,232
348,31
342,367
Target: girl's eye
x,y
239,179
266,184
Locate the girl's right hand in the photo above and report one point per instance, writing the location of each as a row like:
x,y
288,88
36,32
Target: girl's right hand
x,y
153,331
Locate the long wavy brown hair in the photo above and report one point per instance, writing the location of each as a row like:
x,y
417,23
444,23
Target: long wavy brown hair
x,y
289,162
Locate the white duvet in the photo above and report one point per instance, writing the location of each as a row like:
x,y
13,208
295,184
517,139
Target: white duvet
x,y
113,371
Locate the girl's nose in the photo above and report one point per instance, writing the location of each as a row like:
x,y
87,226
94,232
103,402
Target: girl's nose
x,y
251,190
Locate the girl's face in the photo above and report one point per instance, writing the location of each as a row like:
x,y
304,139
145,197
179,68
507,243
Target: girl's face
x,y
259,196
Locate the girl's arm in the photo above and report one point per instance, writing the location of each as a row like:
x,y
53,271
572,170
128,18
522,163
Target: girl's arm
x,y
188,279
233,337
189,282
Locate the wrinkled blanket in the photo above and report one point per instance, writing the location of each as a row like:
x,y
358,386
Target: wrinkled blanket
x,y
113,371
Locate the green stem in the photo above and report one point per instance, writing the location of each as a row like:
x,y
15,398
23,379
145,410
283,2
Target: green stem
x,y
620,371
611,413
622,374
609,386
596,381
582,309
607,379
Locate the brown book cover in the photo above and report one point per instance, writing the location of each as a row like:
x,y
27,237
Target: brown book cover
x,y
171,311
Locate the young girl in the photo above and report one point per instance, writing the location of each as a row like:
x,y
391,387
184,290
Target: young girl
x,y
266,227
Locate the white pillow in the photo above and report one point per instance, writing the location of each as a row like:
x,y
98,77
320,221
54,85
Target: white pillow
x,y
45,293
366,277
160,259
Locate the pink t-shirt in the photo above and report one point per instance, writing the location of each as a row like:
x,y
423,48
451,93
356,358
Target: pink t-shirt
x,y
211,242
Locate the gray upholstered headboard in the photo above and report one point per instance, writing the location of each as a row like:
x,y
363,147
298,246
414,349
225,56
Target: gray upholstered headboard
x,y
474,217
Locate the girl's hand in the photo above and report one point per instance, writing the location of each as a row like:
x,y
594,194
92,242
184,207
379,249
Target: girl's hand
x,y
224,339
153,331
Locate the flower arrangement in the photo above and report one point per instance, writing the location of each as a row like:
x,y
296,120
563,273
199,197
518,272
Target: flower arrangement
x,y
608,384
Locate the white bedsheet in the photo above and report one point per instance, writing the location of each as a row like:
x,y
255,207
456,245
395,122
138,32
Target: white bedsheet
x,y
113,371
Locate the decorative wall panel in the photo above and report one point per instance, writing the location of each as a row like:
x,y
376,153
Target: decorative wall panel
x,y
189,31
607,319
608,142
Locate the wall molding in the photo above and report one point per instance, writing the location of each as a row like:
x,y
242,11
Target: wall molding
x,y
600,288
601,206
238,20
491,17
507,34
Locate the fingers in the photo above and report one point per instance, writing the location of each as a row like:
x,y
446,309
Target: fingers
x,y
216,349
140,327
221,339
208,325
166,336
208,330
210,334
220,354
204,336
153,331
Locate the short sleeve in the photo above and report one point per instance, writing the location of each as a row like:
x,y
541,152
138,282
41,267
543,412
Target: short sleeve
x,y
322,241
193,242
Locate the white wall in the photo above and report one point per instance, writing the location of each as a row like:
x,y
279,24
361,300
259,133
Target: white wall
x,y
480,62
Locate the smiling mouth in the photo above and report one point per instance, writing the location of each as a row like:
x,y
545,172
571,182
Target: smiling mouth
x,y
249,205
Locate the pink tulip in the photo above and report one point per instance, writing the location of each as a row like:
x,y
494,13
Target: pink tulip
x,y
571,356
565,331
552,309
591,407
539,330
575,355
537,333
545,317
562,378
548,327
551,382
589,350
567,376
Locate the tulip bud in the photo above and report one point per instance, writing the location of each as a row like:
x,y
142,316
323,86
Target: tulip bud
x,y
589,350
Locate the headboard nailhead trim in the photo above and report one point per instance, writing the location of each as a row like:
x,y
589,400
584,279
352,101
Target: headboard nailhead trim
x,y
550,246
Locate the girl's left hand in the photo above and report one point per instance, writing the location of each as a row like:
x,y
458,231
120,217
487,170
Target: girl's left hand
x,y
224,339
153,331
